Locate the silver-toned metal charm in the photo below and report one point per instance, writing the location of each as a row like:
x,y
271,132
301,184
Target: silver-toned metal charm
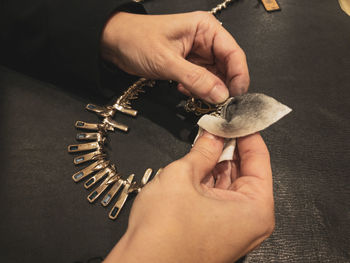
x,y
94,167
121,199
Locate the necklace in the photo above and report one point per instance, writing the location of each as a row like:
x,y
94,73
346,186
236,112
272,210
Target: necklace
x,y
94,136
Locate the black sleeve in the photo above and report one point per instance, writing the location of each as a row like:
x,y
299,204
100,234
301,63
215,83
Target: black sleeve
x,y
57,40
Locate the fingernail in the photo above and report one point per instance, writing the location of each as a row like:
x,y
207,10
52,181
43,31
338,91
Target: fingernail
x,y
218,94
238,91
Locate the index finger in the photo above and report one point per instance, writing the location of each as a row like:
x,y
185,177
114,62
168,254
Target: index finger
x,y
232,62
255,169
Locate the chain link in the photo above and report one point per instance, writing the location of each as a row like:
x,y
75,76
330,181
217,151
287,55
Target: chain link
x,y
214,11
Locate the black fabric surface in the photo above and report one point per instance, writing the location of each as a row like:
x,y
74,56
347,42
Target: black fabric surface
x,y
58,41
300,56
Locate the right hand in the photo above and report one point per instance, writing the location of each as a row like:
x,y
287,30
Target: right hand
x,y
183,216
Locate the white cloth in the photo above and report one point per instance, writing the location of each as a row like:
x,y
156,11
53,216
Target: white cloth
x,y
246,114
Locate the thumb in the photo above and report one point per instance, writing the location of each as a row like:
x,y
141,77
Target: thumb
x,y
199,81
204,154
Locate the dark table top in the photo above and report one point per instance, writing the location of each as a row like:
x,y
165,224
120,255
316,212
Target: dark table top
x,y
300,56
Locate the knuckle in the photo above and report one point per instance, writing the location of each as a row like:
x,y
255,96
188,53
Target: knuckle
x,y
205,153
203,15
206,20
194,77
200,82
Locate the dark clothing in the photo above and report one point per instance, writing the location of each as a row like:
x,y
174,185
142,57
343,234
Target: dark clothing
x,y
57,40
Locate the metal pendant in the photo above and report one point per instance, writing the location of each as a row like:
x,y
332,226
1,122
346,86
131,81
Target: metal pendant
x,y
92,126
103,174
112,192
96,155
101,111
98,176
94,136
135,187
121,199
111,178
84,147
115,125
96,166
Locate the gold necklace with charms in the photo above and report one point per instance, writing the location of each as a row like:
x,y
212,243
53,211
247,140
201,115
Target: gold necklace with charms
x,y
95,136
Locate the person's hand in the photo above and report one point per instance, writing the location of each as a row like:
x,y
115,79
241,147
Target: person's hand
x,y
182,215
192,49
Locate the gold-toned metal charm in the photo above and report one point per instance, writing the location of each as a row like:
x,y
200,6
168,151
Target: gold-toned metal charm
x,y
125,110
136,187
200,107
124,101
94,167
112,192
93,126
121,199
111,178
158,172
101,111
220,7
115,125
94,136
84,147
98,176
96,155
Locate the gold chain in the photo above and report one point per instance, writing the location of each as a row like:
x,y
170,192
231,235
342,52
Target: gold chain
x,y
214,11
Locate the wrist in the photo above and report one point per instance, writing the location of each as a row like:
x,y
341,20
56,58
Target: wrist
x,y
162,244
109,38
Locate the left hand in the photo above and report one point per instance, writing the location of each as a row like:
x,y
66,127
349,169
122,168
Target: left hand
x,y
192,49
